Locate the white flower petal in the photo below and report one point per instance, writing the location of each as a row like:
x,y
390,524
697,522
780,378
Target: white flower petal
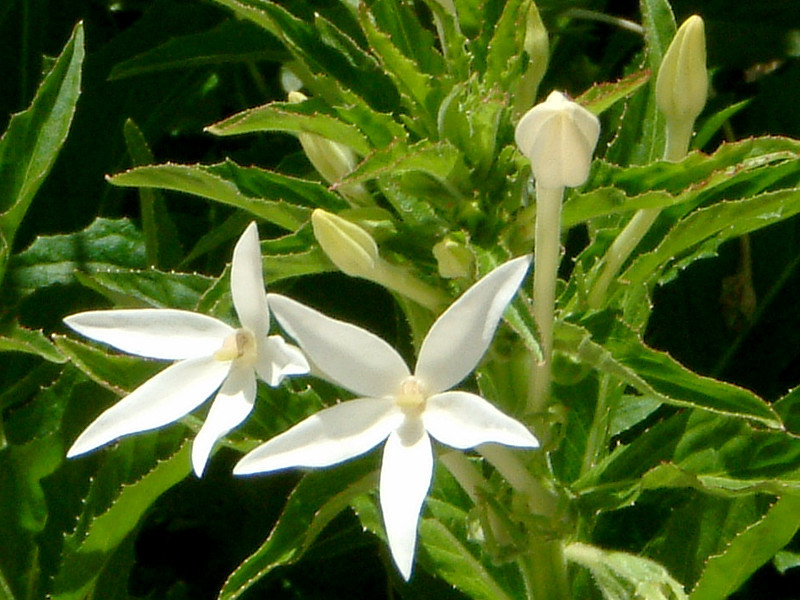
x,y
330,436
348,355
464,420
277,359
233,403
406,474
174,392
247,283
153,332
462,334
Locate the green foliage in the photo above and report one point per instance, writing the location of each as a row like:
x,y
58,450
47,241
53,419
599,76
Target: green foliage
x,y
670,459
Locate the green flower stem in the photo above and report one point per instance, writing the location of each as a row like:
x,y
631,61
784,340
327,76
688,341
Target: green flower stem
x,y
544,570
472,482
540,500
547,255
402,281
679,136
619,252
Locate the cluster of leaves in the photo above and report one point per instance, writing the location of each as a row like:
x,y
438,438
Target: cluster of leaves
x,y
662,475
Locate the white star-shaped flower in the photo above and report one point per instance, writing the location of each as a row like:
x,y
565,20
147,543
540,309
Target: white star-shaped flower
x,y
212,355
393,404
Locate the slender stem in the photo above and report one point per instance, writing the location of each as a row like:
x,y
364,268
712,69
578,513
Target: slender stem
x,y
547,255
544,570
599,432
404,282
619,252
540,500
679,136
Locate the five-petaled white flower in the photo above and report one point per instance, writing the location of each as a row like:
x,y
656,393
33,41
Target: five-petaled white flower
x,y
395,404
212,355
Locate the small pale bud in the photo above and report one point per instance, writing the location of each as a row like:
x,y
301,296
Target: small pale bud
x,y
332,160
558,136
682,83
348,246
453,258
537,45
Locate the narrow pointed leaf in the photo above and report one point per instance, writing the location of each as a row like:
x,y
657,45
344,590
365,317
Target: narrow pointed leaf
x,y
34,137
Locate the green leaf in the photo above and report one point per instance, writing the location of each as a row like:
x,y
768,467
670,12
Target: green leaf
x,y
715,122
317,499
160,234
455,563
89,548
132,288
355,71
749,550
233,41
50,260
241,187
675,384
421,91
704,230
621,575
310,116
117,372
504,52
34,137
15,338
440,160
602,96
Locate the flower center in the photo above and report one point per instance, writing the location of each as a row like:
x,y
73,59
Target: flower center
x,y
240,345
411,396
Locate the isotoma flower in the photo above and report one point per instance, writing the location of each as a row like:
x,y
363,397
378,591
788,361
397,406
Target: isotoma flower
x,y
212,355
394,405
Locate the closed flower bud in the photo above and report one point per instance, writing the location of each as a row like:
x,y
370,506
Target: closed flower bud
x,y
558,136
332,160
453,259
682,83
348,246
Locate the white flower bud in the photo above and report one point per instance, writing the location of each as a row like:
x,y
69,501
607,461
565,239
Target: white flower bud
x,y
332,160
682,83
453,259
558,136
348,246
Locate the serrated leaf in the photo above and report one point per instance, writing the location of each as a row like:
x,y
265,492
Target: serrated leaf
x,y
317,499
711,125
50,260
318,57
133,288
602,96
15,338
88,552
706,228
439,160
675,384
749,550
117,372
34,137
621,575
241,187
233,41
504,52
421,91
455,563
310,116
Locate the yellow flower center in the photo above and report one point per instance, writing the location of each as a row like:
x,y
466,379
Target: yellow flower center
x,y
411,397
240,345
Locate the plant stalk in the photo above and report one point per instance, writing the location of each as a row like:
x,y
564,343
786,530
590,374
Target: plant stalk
x,y
547,255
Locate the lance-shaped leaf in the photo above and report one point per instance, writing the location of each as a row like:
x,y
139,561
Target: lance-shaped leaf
x,y
29,147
